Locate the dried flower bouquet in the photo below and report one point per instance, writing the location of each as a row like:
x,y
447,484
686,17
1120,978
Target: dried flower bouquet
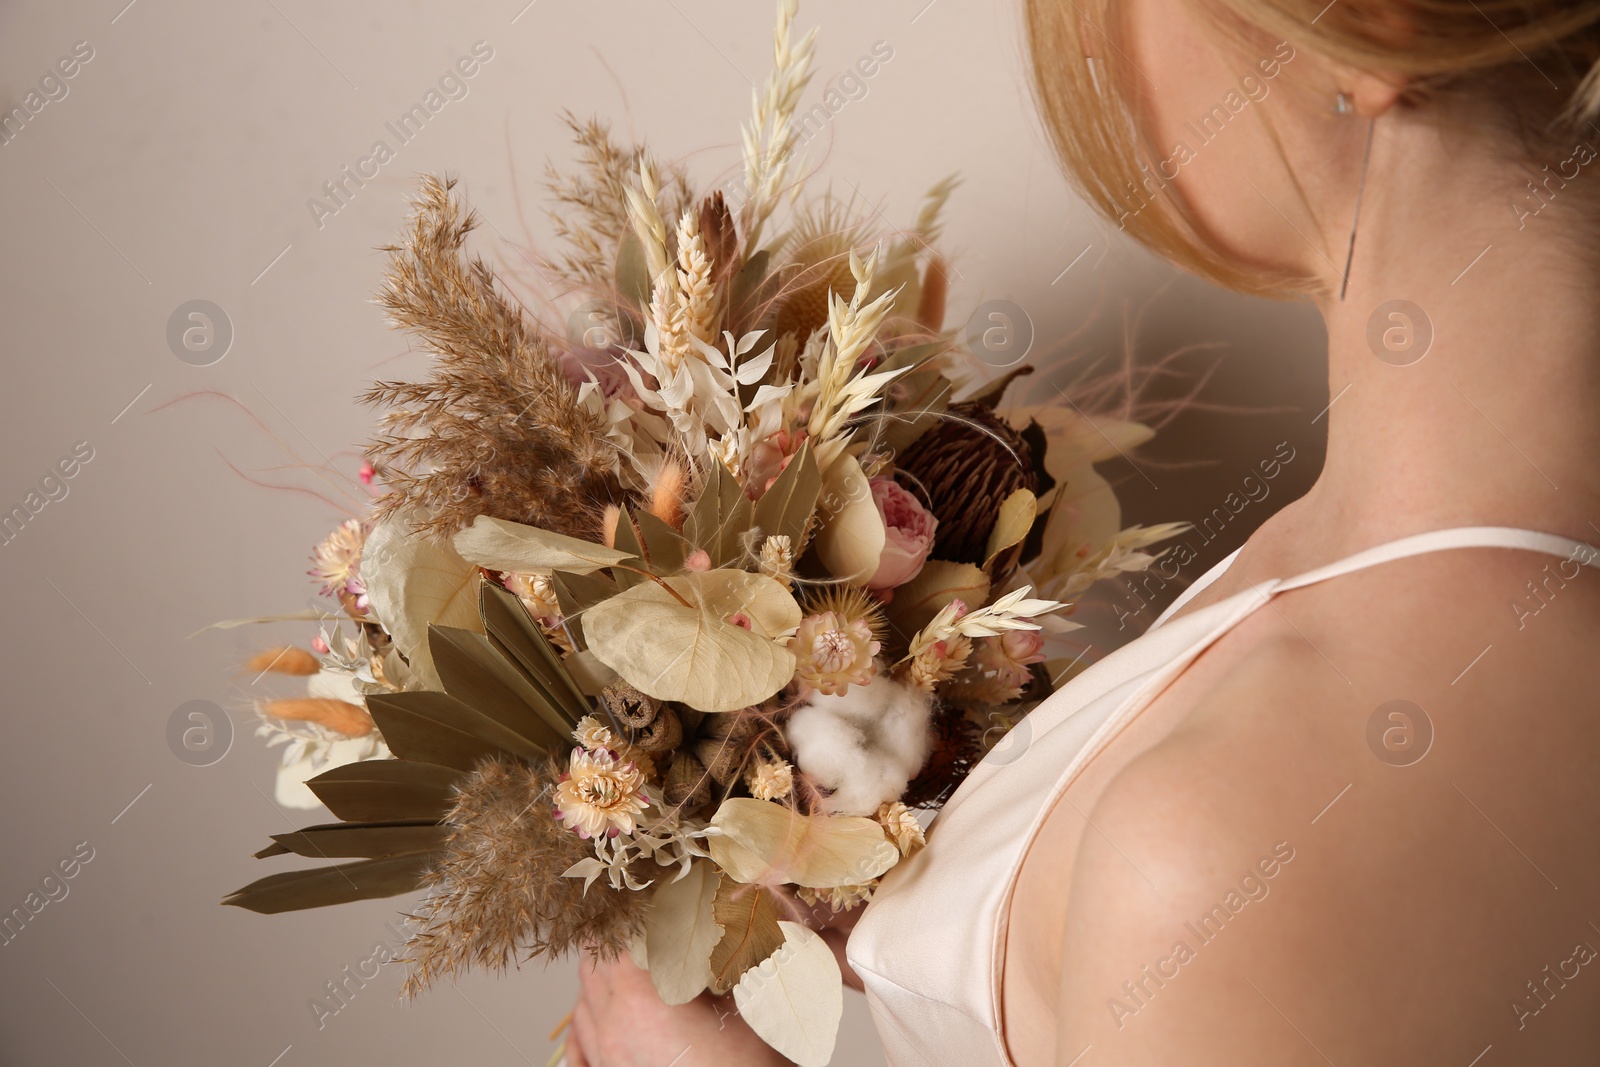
x,y
666,629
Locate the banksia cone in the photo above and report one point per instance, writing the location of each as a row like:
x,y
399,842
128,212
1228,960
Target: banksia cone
x,y
963,469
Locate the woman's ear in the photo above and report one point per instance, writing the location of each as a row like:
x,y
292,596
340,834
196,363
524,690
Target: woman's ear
x,y
1372,93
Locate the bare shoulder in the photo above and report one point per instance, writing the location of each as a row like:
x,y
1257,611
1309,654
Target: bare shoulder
x,y
1371,840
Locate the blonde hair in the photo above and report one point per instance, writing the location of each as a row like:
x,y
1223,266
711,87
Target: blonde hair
x,y
1537,60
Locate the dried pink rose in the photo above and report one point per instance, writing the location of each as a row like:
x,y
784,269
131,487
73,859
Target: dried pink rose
x,y
908,529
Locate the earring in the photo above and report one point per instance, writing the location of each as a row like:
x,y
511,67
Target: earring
x,y
1361,187
1342,104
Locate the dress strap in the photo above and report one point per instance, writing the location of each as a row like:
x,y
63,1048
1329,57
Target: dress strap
x,y
1455,537
1196,587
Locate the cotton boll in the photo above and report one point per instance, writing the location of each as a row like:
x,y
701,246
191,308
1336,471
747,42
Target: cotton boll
x,y
865,745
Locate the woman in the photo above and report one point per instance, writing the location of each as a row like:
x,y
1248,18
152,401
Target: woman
x,y
1340,804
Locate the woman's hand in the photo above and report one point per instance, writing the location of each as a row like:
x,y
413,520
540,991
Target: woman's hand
x,y
620,1021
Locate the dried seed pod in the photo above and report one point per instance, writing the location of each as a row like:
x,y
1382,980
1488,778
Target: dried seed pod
x,y
724,744
687,784
629,705
663,734
719,234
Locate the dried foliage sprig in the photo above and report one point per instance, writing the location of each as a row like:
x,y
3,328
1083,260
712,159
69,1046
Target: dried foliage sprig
x,y
591,211
496,429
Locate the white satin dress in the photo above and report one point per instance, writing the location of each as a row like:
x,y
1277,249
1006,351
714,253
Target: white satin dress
x,y
930,945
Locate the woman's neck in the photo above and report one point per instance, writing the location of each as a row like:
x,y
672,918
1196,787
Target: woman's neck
x,y
1498,423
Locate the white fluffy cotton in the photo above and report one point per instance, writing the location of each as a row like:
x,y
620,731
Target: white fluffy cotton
x,y
865,745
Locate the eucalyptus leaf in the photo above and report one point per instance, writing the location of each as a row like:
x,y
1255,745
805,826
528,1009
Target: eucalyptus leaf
x,y
719,516
794,999
501,545
627,540
1017,513
580,592
662,544
787,506
413,583
680,932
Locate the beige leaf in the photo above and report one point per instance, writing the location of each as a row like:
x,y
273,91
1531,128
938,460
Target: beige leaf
x,y
851,535
638,952
510,546
1017,513
935,586
1073,436
1084,516
586,669
413,583
794,999
766,842
748,916
681,931
701,654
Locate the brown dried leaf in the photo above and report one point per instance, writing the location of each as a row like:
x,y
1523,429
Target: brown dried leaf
x,y
748,915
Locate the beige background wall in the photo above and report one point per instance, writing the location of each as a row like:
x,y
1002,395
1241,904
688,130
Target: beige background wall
x,y
178,167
